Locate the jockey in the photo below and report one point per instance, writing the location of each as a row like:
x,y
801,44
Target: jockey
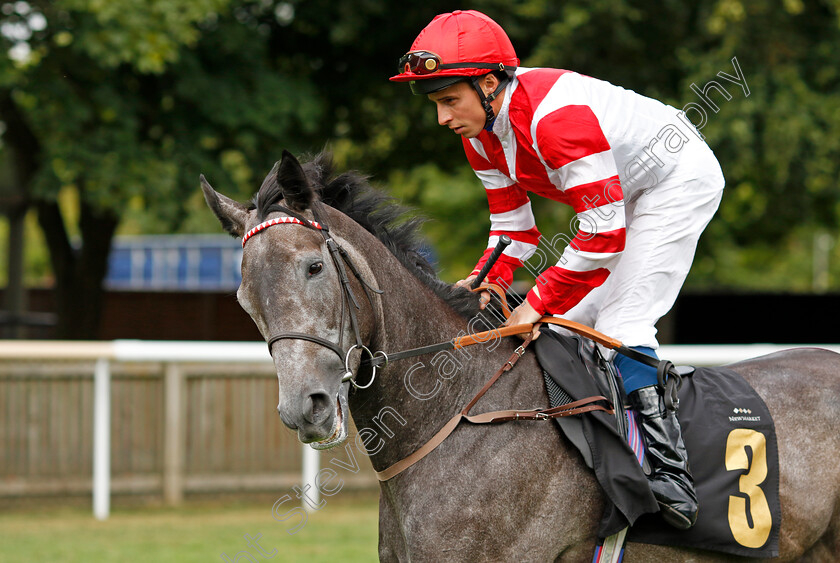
x,y
639,176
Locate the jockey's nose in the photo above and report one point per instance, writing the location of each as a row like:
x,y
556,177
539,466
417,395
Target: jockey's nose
x,y
316,408
444,116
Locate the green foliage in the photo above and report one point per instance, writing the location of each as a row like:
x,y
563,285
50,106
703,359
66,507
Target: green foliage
x,y
146,34
457,213
779,146
131,99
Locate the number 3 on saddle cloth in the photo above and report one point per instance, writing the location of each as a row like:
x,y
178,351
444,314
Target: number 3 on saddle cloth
x,y
729,436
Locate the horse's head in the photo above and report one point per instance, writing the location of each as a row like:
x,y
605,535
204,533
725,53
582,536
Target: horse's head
x,y
295,287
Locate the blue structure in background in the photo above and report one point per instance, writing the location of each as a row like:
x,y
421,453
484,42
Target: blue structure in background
x,y
182,263
175,263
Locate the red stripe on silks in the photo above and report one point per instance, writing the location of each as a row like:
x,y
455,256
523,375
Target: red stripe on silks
x,y
531,172
533,88
535,302
595,194
477,162
561,289
506,259
608,241
569,133
531,236
502,200
493,148
502,270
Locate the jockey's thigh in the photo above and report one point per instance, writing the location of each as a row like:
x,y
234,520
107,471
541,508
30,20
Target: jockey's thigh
x,y
663,226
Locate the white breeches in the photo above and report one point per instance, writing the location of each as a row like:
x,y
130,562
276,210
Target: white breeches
x,y
663,226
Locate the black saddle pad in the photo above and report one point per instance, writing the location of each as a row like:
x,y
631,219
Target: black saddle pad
x,y
732,450
733,455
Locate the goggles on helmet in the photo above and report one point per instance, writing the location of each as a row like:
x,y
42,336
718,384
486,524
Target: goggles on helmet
x,y
422,63
418,62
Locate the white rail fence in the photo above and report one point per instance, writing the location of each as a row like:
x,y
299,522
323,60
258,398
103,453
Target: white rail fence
x,y
43,380
179,360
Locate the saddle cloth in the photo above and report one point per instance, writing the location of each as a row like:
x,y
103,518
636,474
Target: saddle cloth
x,y
731,444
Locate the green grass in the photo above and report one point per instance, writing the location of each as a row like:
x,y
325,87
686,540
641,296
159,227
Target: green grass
x,y
345,529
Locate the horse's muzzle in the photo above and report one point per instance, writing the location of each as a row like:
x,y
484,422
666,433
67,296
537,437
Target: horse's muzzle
x,y
322,422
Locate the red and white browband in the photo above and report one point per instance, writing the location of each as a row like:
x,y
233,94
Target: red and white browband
x,y
278,221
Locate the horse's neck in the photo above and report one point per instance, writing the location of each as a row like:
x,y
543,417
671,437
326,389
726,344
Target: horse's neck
x,y
412,398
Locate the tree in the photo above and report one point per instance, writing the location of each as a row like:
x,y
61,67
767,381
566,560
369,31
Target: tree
x,y
123,103
778,144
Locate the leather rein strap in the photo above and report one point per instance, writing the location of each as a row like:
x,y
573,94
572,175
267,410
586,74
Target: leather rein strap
x,y
588,404
584,405
340,258
481,337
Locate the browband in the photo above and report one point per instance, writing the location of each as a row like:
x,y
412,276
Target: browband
x,y
279,221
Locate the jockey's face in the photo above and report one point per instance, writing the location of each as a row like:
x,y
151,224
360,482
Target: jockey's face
x,y
459,108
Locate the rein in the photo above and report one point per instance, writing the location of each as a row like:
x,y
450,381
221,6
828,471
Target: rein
x,y
340,258
588,404
382,358
578,407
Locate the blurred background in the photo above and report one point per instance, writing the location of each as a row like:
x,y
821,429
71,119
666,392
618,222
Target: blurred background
x,y
110,110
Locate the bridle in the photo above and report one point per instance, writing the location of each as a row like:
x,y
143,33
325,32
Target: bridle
x,y
349,303
340,258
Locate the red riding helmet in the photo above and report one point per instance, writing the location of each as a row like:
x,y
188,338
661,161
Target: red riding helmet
x,y
454,47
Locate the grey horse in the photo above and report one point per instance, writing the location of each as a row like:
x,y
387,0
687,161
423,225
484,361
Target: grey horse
x,y
506,492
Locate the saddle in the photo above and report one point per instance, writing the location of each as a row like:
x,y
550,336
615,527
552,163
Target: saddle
x,y
728,432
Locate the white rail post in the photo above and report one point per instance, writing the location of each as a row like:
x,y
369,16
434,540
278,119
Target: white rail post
x,y
311,466
174,436
101,439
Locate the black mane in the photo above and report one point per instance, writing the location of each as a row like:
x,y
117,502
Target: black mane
x,y
395,225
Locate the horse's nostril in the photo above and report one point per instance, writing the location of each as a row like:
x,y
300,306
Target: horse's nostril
x,y
316,408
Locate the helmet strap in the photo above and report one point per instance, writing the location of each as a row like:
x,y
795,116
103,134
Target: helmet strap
x,y
486,100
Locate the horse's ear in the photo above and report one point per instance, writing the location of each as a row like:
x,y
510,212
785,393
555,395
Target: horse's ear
x,y
231,214
292,180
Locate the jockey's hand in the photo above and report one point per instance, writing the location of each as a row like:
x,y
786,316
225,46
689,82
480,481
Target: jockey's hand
x,y
524,314
483,297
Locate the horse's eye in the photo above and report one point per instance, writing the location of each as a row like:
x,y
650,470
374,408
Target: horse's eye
x,y
316,268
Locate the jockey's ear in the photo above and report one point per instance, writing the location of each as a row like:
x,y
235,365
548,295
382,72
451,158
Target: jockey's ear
x,y
292,180
489,82
230,214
